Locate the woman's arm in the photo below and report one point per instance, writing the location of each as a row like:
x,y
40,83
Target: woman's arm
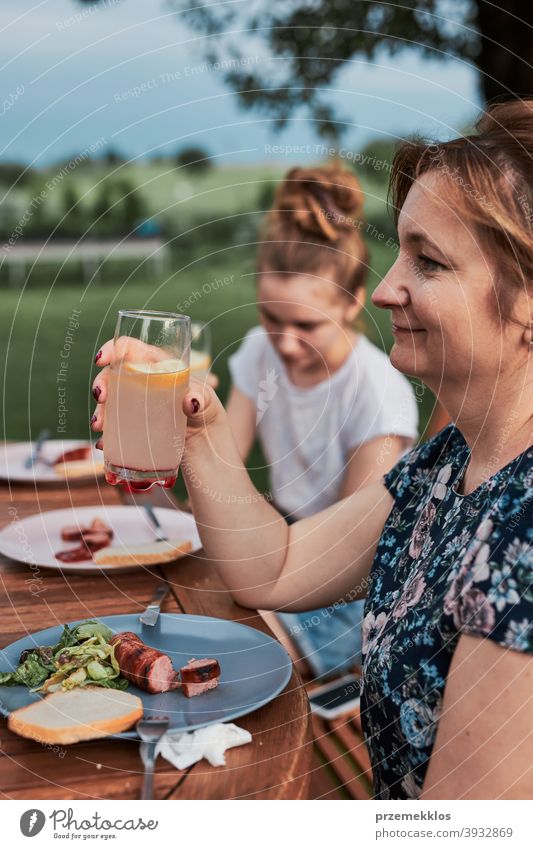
x,y
483,744
368,462
264,562
241,414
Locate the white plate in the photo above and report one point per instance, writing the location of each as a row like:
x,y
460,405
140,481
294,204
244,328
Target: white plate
x,y
254,667
36,539
14,454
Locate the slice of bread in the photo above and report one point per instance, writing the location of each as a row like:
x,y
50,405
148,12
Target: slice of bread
x,y
81,714
147,554
79,468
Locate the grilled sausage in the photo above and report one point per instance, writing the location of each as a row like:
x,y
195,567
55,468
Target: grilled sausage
x,y
198,676
146,667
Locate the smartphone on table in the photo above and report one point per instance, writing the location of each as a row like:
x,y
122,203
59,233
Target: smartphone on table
x,y
337,697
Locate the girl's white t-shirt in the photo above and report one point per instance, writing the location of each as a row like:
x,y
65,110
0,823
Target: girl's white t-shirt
x,y
307,433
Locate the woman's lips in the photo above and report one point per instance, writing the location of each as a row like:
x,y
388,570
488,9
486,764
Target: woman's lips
x,y
398,329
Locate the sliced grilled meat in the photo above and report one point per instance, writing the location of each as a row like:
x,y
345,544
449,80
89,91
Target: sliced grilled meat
x,y
82,453
146,667
94,540
198,676
73,533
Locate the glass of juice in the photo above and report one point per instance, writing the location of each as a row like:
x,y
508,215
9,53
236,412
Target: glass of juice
x,y
144,426
200,349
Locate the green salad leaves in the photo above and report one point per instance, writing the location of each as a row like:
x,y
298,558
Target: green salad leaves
x,y
82,657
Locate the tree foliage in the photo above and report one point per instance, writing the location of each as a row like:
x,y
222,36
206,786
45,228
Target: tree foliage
x,y
309,41
195,158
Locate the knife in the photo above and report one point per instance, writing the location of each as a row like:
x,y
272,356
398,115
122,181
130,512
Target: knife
x,y
34,456
151,614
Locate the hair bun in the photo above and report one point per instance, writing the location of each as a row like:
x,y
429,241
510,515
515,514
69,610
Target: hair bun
x,y
322,201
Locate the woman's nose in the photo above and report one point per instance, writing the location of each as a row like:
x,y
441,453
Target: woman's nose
x,y
390,292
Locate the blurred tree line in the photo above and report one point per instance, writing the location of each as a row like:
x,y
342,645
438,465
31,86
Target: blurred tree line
x,y
115,207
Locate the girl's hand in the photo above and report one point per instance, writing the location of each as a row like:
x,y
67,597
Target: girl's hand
x,y
200,405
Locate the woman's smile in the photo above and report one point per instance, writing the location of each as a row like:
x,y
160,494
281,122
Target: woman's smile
x,y
400,330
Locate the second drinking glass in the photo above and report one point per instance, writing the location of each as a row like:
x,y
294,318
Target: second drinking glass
x,y
200,349
144,432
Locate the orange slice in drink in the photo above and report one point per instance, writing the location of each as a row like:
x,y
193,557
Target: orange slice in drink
x,y
162,374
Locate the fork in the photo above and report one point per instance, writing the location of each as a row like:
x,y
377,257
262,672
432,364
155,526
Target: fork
x,y
35,455
159,535
150,730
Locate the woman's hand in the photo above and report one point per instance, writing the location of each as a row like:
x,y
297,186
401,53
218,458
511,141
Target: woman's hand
x,y
203,409
201,405
99,387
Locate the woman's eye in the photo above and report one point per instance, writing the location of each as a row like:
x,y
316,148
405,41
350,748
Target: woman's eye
x,y
429,264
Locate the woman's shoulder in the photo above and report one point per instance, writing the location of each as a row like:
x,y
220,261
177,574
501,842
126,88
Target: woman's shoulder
x,y
423,463
511,492
491,586
441,448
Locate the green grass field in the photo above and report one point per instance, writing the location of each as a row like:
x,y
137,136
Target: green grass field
x,y
212,281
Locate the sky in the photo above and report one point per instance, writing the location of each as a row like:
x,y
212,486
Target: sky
x,y
130,75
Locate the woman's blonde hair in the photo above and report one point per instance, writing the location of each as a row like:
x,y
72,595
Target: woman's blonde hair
x,y
314,227
489,177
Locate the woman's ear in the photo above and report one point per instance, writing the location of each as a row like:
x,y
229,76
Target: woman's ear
x,y
356,304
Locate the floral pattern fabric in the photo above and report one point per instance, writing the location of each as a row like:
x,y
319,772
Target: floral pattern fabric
x,y
446,565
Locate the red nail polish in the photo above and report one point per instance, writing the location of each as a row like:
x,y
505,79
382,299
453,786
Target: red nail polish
x,y
99,354
97,392
99,445
195,404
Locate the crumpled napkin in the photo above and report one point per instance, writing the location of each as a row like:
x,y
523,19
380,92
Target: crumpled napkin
x,y
183,749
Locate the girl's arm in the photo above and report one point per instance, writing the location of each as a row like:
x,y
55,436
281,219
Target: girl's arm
x,y
367,463
241,415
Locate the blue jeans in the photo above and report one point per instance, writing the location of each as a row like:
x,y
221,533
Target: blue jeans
x,y
330,639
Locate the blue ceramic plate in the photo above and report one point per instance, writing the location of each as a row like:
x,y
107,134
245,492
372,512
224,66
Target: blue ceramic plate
x,y
254,667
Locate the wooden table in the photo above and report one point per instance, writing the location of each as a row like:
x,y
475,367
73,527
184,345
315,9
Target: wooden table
x,y
276,765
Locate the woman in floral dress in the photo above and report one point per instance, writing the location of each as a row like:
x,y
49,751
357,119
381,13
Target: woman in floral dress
x,y
442,547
